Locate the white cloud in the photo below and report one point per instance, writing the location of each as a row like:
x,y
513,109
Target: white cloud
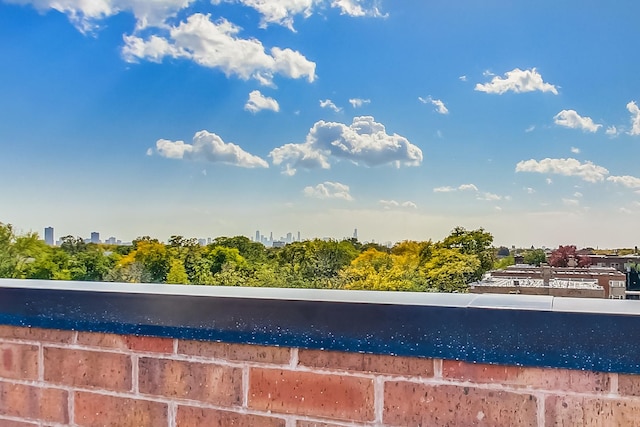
x,y
571,202
468,187
463,78
448,189
571,119
257,101
611,131
549,181
491,197
357,102
364,141
440,107
209,147
530,129
517,81
577,194
445,189
355,8
569,167
281,12
635,118
625,180
85,14
625,211
575,150
216,45
149,151
530,190
329,190
389,204
327,103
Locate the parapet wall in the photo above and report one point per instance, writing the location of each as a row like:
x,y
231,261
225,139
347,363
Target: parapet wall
x,y
89,369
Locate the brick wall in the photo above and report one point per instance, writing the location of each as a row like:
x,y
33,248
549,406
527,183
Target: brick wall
x,y
54,378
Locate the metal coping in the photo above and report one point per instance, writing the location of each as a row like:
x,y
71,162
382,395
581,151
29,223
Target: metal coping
x,y
522,330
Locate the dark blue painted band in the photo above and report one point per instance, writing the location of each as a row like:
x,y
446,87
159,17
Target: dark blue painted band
x,y
511,332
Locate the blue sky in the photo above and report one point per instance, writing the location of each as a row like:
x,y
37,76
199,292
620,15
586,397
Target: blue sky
x,y
403,119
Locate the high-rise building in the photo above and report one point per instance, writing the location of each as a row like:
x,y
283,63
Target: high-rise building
x,y
48,236
299,237
95,237
355,233
257,235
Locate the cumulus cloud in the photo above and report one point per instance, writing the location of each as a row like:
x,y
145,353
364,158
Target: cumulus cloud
x,y
571,119
85,14
440,107
209,147
611,130
328,190
448,189
327,103
356,8
364,141
635,118
217,45
357,102
517,81
284,12
280,12
490,197
587,171
625,180
389,204
468,187
257,101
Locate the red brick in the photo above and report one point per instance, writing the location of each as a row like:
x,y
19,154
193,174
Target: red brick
x,y
629,385
366,362
19,361
300,423
98,410
585,412
46,404
240,352
220,385
535,378
188,416
126,342
308,393
411,404
36,334
81,368
9,423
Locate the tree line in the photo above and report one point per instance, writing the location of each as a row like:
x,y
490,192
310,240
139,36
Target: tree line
x,y
443,266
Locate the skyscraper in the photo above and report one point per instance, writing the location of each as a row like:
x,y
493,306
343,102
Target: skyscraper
x,y
95,237
48,236
257,235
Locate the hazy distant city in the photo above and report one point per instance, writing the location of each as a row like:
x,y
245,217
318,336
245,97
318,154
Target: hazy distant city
x,y
267,240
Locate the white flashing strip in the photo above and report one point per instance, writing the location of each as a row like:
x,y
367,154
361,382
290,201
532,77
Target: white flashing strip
x,y
488,301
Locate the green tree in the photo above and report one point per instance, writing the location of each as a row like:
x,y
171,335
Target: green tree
x,y
535,257
177,273
473,242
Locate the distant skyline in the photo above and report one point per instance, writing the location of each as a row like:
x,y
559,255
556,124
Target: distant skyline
x,y
402,119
